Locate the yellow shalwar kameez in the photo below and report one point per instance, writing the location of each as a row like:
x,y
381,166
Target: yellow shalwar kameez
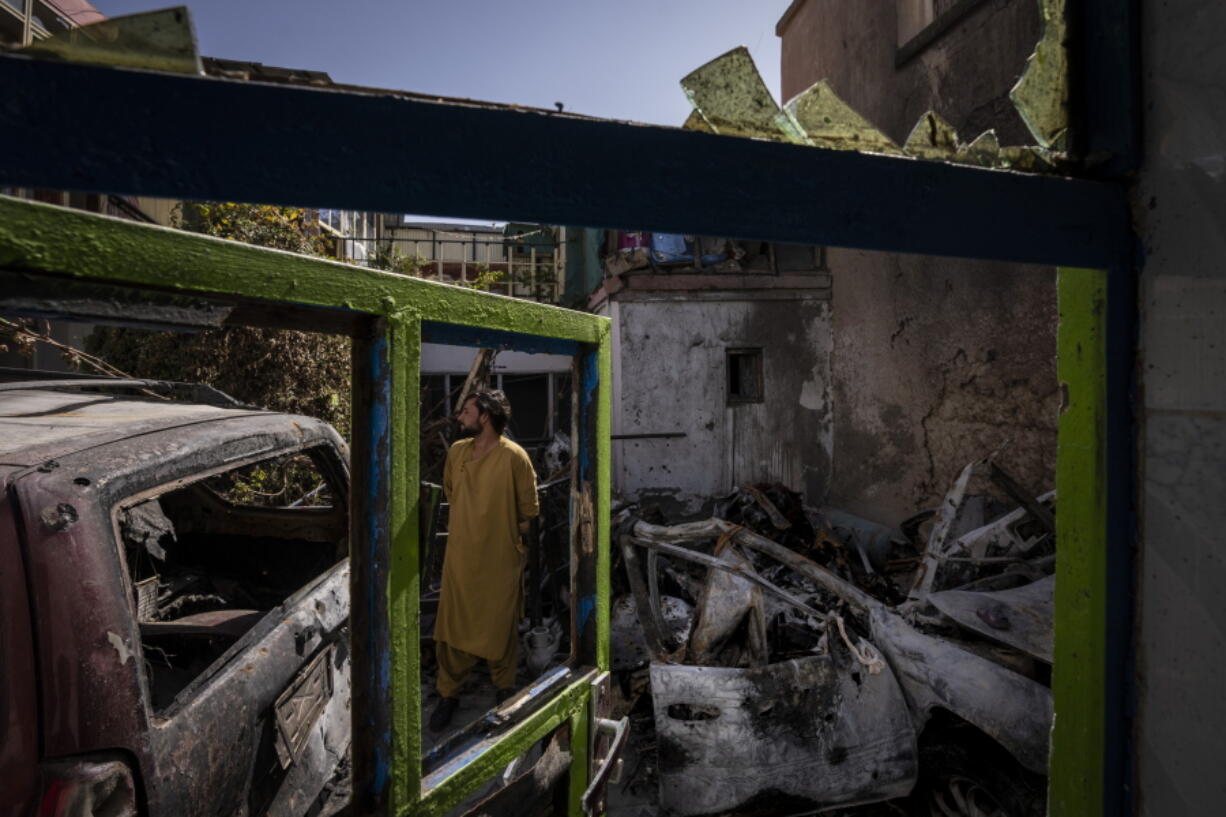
x,y
482,595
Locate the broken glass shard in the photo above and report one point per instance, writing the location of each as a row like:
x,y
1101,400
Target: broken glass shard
x,y
729,94
1026,158
162,40
695,122
932,138
826,121
1041,95
984,150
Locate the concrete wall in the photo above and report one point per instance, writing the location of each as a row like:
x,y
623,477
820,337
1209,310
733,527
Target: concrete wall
x,y
964,75
1180,206
670,376
938,362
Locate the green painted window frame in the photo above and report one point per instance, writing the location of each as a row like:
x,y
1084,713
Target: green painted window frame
x,y
107,250
1077,763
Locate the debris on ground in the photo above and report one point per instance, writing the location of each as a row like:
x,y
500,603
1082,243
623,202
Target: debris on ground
x,y
799,659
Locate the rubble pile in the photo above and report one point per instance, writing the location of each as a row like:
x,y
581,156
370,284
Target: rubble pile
x,y
816,653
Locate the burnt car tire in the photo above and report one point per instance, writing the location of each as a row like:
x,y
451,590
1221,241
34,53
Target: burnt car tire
x,y
975,778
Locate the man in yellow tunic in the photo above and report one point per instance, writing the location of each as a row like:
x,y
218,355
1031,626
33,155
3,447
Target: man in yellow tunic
x,y
491,488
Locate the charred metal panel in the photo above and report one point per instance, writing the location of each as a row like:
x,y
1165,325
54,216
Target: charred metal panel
x,y
328,744
88,641
42,426
222,738
1012,709
18,682
1022,617
795,736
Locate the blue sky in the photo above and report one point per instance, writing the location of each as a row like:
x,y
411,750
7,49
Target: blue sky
x,y
619,59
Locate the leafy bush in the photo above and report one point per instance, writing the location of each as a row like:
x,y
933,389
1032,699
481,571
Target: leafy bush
x,y
278,369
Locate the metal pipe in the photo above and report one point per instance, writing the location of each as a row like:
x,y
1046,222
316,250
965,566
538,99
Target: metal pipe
x,y
713,562
714,528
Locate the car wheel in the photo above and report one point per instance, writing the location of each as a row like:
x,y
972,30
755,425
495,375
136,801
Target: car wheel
x,y
959,796
963,780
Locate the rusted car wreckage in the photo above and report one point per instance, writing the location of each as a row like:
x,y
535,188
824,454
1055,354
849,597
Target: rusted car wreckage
x,y
176,569
802,660
194,641
820,660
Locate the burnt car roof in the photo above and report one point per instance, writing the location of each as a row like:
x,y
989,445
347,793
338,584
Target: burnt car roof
x,y
37,425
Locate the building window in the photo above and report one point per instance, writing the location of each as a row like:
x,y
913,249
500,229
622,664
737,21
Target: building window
x,y
799,258
744,376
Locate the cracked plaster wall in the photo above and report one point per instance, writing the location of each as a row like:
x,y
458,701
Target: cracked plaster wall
x,y
937,362
670,376
965,75
1180,209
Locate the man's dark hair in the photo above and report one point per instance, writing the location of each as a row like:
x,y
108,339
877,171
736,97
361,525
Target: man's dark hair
x,y
493,404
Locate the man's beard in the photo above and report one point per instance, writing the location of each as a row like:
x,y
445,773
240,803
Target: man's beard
x,y
467,431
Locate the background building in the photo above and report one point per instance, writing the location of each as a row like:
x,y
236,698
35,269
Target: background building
x,y
935,361
24,21
721,370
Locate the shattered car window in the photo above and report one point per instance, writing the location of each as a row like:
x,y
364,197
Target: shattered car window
x,y
290,481
207,561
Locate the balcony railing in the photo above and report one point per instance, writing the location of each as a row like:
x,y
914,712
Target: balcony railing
x,y
531,271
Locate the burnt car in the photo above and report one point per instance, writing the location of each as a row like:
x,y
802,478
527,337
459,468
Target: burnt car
x,y
175,591
797,686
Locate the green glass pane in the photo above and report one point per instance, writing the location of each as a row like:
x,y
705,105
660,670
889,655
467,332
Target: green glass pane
x,y
157,40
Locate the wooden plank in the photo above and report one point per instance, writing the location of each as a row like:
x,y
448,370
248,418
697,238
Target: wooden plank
x,y
596,173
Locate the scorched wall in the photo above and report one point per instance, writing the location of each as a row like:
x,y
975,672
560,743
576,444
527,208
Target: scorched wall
x,y
670,376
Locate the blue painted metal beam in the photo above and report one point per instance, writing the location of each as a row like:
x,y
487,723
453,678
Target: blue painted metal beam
x,y
456,335
84,128
370,540
1107,105
1106,85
